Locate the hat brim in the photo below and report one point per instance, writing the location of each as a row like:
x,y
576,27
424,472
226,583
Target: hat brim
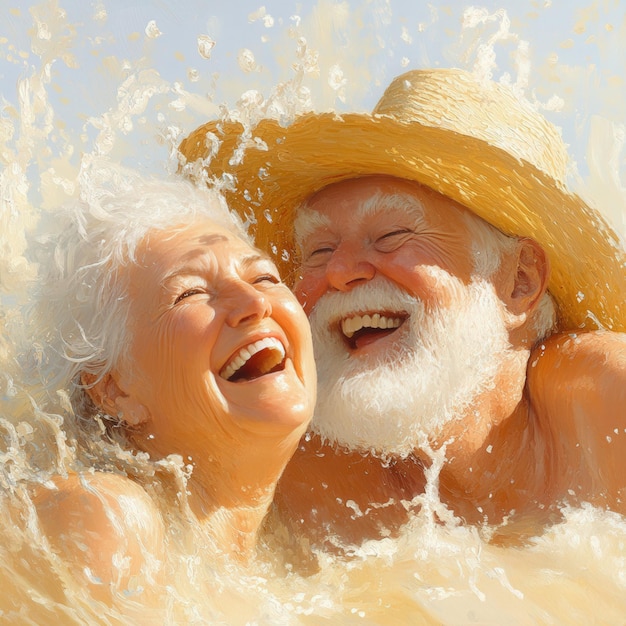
x,y
282,166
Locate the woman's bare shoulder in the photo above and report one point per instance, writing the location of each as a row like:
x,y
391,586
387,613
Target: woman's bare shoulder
x,y
92,493
97,521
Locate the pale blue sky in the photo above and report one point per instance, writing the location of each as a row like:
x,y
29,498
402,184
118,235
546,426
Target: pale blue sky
x,y
577,52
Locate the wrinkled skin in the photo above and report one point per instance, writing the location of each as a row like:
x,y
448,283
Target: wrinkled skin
x,y
199,295
551,429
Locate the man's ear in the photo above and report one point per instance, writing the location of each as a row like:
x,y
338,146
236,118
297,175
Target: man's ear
x,y
527,275
107,394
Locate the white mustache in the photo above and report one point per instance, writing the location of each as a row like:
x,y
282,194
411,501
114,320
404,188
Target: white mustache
x,y
430,375
374,296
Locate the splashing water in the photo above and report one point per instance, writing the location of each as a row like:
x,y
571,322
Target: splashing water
x,y
142,88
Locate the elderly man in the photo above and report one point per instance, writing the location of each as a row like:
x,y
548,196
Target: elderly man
x,y
467,309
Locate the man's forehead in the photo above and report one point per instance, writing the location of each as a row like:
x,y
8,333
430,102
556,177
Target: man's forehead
x,y
390,201
322,210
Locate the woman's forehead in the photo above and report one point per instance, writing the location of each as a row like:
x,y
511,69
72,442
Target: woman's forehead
x,y
193,248
180,239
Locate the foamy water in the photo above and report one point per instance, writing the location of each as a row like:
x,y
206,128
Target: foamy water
x,y
81,87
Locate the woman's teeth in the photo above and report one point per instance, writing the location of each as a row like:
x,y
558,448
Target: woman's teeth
x,y
270,351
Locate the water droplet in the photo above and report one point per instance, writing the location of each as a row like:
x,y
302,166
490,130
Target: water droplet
x,y
336,78
205,46
152,30
246,60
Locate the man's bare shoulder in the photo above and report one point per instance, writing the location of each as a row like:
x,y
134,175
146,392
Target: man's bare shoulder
x,y
574,356
587,369
96,521
577,388
583,342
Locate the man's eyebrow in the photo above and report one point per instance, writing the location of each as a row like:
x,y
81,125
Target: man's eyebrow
x,y
392,201
307,222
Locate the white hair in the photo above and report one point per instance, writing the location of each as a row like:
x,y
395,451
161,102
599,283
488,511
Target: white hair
x,y
440,361
489,247
82,305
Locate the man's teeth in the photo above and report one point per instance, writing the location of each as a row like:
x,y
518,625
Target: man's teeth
x,y
352,325
275,356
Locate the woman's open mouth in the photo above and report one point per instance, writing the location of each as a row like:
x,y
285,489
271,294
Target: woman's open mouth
x,y
255,360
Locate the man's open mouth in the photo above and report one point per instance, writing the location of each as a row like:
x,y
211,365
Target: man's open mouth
x,y
361,330
255,360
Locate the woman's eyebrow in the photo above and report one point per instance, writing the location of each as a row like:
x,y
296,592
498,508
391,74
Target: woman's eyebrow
x,y
255,258
190,268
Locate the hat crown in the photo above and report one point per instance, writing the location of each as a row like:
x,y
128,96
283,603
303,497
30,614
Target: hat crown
x,y
461,102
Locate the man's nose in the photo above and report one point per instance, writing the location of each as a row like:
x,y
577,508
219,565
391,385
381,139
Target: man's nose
x,y
349,267
247,304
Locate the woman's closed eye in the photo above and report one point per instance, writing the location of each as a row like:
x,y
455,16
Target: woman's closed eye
x,y
269,278
321,250
188,293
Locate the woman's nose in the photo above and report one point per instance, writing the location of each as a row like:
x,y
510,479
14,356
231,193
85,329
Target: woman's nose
x,y
349,267
248,304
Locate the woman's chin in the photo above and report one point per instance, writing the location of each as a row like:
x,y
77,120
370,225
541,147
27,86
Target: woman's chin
x,y
281,414
275,403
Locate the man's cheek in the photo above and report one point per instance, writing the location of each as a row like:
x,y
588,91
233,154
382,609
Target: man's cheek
x,y
307,294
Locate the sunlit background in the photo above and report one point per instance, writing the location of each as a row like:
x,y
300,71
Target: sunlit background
x,y
128,79
569,56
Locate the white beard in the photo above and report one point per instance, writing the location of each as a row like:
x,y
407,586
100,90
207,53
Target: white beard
x,y
439,362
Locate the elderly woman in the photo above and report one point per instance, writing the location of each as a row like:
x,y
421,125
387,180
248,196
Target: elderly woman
x,y
180,346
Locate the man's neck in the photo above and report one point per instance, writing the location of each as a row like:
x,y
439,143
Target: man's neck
x,y
495,462
505,476
498,464
328,490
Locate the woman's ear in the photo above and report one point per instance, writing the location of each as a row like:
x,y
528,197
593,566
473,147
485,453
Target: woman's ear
x,y
102,390
107,394
526,280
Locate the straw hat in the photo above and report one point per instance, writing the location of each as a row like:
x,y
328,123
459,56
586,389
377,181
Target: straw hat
x,y
471,140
